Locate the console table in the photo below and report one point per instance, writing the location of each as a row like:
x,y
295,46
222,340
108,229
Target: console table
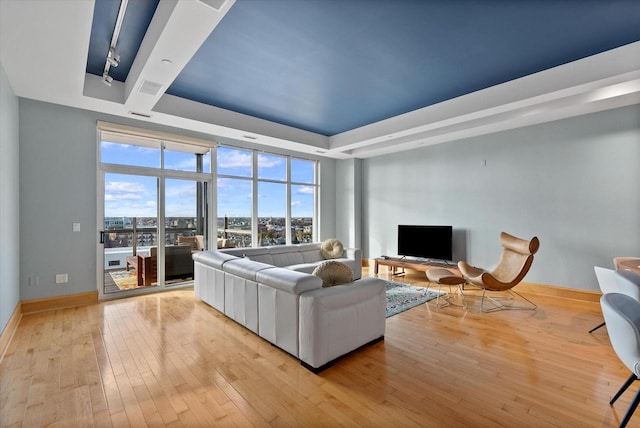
x,y
420,265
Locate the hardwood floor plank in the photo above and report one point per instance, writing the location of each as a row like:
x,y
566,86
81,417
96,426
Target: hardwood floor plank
x,y
160,399
247,410
131,405
120,419
102,419
168,359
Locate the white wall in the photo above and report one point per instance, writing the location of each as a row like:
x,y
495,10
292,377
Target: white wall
x,y
348,199
9,202
574,183
58,188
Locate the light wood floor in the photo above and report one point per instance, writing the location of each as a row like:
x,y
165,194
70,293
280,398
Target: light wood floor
x,y
168,359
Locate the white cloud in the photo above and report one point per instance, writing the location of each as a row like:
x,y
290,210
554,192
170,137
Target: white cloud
x,y
234,159
123,187
130,208
265,161
123,191
305,190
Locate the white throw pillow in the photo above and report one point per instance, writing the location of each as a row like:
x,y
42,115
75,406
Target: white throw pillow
x,y
331,249
333,273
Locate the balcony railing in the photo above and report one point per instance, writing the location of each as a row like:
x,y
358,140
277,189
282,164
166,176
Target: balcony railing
x,y
122,238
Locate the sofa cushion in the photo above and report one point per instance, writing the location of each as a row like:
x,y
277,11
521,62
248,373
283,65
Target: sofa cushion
x,y
288,280
332,249
261,254
311,255
303,267
285,255
245,268
333,273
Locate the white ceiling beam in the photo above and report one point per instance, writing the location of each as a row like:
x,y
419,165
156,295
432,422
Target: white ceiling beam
x,y
565,108
176,32
230,124
616,66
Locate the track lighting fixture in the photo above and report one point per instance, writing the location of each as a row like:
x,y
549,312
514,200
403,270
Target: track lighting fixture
x,y
113,59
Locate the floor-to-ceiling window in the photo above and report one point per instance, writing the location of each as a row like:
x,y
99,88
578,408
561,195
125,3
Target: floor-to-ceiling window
x,y
154,199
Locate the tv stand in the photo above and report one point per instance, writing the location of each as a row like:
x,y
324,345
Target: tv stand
x,y
420,265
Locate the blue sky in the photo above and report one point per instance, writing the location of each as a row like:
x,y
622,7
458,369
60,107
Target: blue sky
x,y
133,195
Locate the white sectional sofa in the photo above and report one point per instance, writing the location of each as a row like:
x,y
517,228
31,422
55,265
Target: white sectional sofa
x,y
272,292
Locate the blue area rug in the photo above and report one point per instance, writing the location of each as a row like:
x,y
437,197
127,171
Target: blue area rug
x,y
401,297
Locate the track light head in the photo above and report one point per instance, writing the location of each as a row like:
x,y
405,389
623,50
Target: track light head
x,y
106,79
113,58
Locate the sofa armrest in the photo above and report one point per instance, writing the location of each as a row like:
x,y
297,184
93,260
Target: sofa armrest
x,y
356,255
337,320
214,259
353,253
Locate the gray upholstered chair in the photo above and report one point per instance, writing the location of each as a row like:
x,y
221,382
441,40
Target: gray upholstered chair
x,y
622,315
515,262
611,281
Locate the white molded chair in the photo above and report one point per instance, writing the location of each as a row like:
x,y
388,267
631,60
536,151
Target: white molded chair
x,y
622,315
611,281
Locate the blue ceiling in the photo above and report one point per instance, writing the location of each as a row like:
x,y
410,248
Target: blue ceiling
x,y
331,66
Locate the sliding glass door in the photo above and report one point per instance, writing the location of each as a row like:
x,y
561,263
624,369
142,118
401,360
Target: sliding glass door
x,y
185,227
130,231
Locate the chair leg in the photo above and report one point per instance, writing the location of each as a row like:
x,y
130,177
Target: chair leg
x,y
499,306
441,296
447,301
460,290
624,387
597,327
631,410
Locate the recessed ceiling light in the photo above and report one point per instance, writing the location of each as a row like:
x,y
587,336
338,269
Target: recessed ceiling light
x,y
249,137
167,61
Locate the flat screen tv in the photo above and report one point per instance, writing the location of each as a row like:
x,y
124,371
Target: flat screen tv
x,y
429,242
